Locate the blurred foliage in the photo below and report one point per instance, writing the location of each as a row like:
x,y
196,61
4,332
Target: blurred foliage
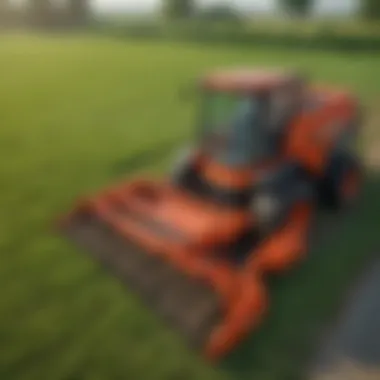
x,y
371,9
178,9
298,7
219,12
8,15
326,35
43,14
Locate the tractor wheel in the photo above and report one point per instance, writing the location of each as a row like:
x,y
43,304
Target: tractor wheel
x,y
340,187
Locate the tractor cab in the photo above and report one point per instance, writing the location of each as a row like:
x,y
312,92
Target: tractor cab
x,y
243,122
244,115
234,128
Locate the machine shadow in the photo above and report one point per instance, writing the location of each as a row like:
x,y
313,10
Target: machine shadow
x,y
303,303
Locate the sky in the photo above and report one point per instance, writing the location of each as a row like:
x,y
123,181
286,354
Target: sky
x,y
335,6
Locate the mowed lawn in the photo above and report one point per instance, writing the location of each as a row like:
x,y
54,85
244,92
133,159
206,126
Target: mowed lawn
x,y
77,113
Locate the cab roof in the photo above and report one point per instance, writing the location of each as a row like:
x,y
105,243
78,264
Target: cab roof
x,y
247,80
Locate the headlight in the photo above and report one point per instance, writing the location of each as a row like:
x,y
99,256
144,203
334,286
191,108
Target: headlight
x,y
265,207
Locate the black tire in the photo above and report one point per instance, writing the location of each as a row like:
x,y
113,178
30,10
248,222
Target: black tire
x,y
341,167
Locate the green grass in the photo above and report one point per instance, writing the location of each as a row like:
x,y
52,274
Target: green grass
x,y
78,113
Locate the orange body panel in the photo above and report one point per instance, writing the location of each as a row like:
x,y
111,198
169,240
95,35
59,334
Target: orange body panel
x,y
225,177
194,219
234,178
281,250
317,129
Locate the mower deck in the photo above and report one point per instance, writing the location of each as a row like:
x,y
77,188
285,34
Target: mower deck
x,y
185,304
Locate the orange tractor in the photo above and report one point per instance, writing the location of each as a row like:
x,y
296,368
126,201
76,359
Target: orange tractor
x,y
196,246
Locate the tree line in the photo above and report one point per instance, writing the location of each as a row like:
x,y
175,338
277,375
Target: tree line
x,y
44,13
188,8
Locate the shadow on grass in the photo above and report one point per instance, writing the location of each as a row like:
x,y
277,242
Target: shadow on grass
x,y
304,302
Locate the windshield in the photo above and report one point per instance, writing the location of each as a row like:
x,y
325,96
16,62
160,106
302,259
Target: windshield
x,y
234,124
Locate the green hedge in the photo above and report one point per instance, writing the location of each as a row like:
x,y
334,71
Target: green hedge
x,y
235,34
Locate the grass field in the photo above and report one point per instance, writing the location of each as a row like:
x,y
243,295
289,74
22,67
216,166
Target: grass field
x,y
79,112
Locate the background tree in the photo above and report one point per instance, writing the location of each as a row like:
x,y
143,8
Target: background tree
x,y
4,12
299,7
371,9
39,13
174,9
78,11
4,4
220,12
